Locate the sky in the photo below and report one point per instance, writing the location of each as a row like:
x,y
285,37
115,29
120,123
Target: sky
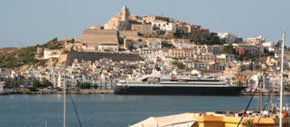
x,y
30,22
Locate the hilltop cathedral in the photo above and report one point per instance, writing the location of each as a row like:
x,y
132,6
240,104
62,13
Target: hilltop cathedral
x,y
124,26
108,37
119,21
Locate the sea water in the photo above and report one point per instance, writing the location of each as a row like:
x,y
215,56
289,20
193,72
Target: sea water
x,y
108,110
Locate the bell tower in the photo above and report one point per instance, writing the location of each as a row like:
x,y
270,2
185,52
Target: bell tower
x,y
125,13
125,18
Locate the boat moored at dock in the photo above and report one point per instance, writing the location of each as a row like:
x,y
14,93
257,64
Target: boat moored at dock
x,y
217,119
158,85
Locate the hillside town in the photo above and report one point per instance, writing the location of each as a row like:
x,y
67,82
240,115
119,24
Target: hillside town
x,y
128,46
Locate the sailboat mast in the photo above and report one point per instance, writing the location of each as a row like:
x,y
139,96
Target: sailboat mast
x,y
261,93
272,97
64,101
281,79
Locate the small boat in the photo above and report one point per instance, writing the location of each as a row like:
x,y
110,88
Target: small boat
x,y
217,119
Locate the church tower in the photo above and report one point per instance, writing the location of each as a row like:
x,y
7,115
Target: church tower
x,y
125,17
119,21
125,13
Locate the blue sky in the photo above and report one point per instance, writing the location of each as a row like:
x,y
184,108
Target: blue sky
x,y
29,22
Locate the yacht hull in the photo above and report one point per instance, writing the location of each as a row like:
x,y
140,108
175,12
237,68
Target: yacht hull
x,y
173,90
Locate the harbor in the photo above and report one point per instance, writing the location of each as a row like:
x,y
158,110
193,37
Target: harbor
x,y
98,91
145,63
107,110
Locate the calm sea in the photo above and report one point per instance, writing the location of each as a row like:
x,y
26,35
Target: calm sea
x,y
106,110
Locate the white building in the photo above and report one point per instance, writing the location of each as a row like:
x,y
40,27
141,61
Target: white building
x,y
182,43
60,81
198,65
154,43
269,46
250,48
50,53
108,48
151,54
138,44
164,25
226,57
2,84
4,73
230,38
256,40
269,83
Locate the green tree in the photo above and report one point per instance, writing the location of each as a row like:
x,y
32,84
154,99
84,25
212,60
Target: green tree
x,y
45,83
178,64
53,44
78,85
167,45
85,85
288,87
54,40
20,80
95,86
229,49
278,44
9,83
71,41
201,38
156,28
68,85
36,84
179,34
268,53
16,59
160,32
130,46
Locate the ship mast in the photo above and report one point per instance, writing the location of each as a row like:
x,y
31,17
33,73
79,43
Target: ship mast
x,y
281,79
261,93
64,102
261,86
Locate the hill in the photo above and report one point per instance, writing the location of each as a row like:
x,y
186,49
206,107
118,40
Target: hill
x,y
24,58
14,58
4,51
